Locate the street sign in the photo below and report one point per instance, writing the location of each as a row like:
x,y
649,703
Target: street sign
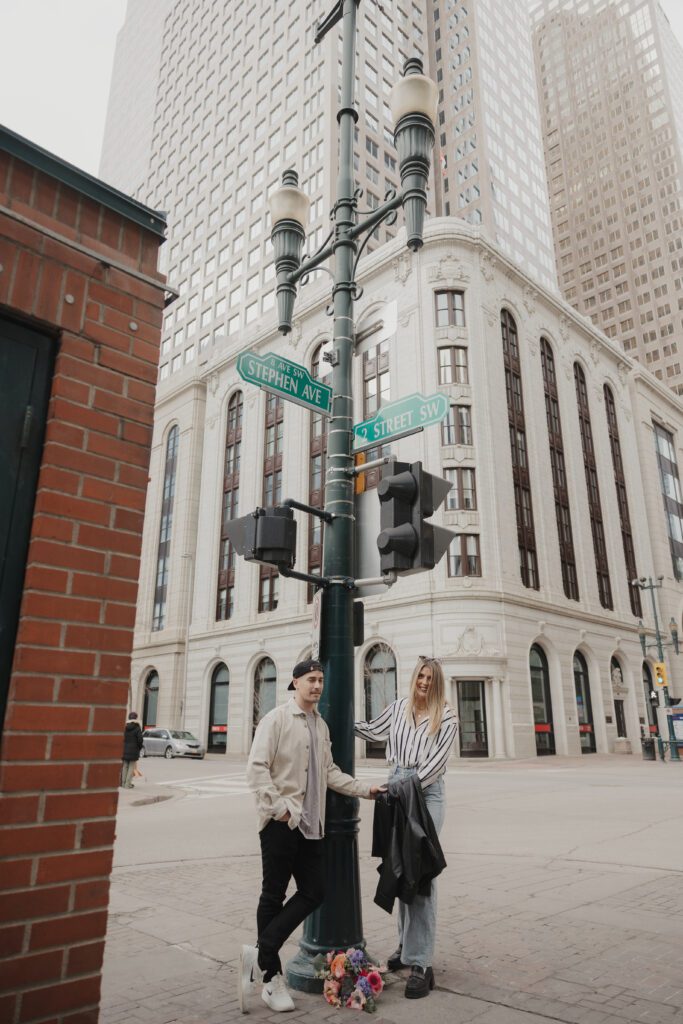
x,y
406,416
288,380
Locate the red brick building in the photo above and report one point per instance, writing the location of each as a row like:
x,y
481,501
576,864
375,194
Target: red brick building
x,y
80,314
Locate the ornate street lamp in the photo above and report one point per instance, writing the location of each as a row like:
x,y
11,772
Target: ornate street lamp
x,y
413,102
338,923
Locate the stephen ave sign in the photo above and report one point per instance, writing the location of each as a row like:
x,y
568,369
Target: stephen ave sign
x,y
289,380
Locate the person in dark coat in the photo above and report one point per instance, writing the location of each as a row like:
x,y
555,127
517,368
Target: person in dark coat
x,y
132,745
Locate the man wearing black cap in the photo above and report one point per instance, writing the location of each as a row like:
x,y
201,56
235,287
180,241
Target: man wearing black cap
x,y
289,770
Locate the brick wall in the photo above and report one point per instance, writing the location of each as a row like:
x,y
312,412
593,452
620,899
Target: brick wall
x,y
73,265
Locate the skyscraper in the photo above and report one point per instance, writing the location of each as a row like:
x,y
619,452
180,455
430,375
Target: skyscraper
x,y
489,165
610,78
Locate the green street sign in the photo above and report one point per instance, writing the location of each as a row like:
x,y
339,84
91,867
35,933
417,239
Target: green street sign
x,y
406,416
289,380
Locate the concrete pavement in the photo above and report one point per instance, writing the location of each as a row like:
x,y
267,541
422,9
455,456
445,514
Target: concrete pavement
x,y
562,900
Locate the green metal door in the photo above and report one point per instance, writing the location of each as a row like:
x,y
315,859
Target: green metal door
x,y
26,361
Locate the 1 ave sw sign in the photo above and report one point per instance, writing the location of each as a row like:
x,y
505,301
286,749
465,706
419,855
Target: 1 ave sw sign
x,y
397,419
289,380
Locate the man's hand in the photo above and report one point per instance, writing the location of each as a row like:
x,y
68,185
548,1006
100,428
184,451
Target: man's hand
x,y
376,790
285,817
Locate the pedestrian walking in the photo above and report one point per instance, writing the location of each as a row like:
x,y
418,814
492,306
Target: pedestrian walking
x,y
132,745
289,770
420,731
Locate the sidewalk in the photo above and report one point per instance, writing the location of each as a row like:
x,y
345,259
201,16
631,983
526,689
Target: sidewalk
x,y
571,916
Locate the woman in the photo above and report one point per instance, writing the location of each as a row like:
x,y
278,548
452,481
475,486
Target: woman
x,y
420,732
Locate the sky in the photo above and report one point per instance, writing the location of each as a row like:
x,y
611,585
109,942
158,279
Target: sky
x,y
56,58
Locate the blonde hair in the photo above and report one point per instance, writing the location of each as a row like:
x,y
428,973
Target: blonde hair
x,y
436,698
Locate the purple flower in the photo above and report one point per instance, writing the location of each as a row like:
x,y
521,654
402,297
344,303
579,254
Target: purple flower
x,y
364,985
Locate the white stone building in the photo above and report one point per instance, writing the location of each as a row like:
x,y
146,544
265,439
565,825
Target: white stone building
x,y
516,649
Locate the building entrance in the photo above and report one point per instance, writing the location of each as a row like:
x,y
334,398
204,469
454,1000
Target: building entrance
x,y
584,706
472,714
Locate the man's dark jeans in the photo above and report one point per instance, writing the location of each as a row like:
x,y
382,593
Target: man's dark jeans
x,y
285,853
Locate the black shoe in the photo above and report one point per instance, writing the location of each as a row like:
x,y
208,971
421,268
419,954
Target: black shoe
x,y
394,963
419,983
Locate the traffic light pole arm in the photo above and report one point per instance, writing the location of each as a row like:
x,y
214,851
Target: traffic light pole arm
x,y
327,517
306,577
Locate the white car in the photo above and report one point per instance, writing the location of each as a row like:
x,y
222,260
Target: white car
x,y
170,743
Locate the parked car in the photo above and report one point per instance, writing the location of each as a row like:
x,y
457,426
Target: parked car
x,y
170,743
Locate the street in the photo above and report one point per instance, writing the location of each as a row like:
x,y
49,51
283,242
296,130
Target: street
x,y
561,901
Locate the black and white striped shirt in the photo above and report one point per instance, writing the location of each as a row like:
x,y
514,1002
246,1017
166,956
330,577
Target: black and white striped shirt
x,y
411,746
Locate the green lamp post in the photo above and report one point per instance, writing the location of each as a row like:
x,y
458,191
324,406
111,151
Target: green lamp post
x,y
646,583
338,923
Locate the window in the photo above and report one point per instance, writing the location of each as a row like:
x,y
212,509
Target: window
x,y
526,537
593,488
165,527
379,684
463,555
265,684
450,308
151,701
316,478
622,501
272,491
541,701
584,706
217,739
570,583
376,392
457,427
463,494
671,495
453,365
225,600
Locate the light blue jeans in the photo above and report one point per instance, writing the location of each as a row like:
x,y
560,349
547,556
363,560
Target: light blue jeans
x,y
417,920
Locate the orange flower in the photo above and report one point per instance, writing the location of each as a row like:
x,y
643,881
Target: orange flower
x,y
338,966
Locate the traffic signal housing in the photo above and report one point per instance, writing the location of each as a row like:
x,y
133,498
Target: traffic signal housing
x,y
266,535
408,497
660,673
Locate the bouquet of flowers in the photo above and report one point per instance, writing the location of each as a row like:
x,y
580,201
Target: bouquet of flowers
x,y
349,979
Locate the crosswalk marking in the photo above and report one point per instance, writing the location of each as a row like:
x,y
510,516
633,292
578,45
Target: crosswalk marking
x,y
235,783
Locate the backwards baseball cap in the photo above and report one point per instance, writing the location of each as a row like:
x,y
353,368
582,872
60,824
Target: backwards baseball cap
x,y
302,668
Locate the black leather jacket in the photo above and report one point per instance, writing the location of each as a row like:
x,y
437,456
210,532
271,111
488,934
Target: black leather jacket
x,y
403,835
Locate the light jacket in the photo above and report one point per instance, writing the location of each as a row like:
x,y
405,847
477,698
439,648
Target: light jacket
x,y
278,765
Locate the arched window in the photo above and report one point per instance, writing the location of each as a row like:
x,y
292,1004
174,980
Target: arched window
x,y
592,486
265,681
225,602
562,513
526,537
165,526
541,700
622,501
149,708
272,491
584,705
218,710
316,478
379,682
617,679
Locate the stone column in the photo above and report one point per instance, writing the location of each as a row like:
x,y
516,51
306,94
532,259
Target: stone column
x,y
499,752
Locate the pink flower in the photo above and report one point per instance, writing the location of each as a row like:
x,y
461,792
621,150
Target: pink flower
x,y
331,992
375,981
338,966
356,1000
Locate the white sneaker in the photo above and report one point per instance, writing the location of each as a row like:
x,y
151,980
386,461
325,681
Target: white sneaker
x,y
276,996
249,973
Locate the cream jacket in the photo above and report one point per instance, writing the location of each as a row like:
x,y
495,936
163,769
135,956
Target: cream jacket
x,y
278,764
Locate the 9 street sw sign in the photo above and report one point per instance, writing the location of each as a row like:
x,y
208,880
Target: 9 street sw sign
x,y
399,418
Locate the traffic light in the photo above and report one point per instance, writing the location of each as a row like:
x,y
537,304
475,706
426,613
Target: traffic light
x,y
660,673
407,542
266,535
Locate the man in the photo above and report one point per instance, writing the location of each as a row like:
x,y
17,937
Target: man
x,y
289,769
132,745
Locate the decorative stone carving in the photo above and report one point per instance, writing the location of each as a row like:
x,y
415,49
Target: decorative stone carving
x,y
492,315
471,643
448,269
564,327
487,265
297,334
403,267
618,685
214,381
406,316
595,351
530,297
